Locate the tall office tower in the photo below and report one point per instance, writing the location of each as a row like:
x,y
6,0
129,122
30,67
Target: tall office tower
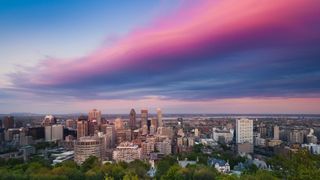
x,y
82,127
132,119
54,132
244,135
70,123
57,132
8,122
159,117
144,118
49,120
95,115
87,146
36,132
276,132
93,127
154,123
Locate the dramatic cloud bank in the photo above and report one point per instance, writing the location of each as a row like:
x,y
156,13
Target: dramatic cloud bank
x,y
219,49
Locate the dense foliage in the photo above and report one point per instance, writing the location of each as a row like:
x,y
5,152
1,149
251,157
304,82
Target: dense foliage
x,y
300,165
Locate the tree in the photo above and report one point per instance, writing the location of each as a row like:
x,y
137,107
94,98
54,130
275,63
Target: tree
x,y
90,163
130,177
172,173
259,175
299,165
204,173
164,165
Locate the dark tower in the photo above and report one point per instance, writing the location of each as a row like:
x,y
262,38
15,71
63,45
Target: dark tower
x,y
132,120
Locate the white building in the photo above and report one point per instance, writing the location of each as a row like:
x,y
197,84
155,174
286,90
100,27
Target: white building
x,y
219,164
87,146
258,141
126,152
276,132
54,132
244,131
313,148
226,135
244,135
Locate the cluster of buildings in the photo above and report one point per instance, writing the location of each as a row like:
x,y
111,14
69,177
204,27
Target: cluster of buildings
x,y
150,137
122,140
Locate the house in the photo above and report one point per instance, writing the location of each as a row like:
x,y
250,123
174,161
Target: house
x,y
221,165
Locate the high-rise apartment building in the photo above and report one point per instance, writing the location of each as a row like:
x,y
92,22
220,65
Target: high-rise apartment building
x,y
82,127
244,135
244,131
132,119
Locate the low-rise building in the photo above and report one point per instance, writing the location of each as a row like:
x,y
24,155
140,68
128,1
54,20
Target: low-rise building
x,y
126,152
219,164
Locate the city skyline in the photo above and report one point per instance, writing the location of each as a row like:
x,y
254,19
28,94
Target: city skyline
x,y
180,56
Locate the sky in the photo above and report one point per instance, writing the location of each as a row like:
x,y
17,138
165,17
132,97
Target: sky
x,y
183,56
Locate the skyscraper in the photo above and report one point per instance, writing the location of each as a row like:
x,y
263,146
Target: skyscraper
x,y
144,117
95,115
82,127
8,122
70,123
54,132
94,121
118,124
132,119
159,116
276,132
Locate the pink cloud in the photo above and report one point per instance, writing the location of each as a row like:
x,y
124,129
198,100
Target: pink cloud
x,y
186,33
